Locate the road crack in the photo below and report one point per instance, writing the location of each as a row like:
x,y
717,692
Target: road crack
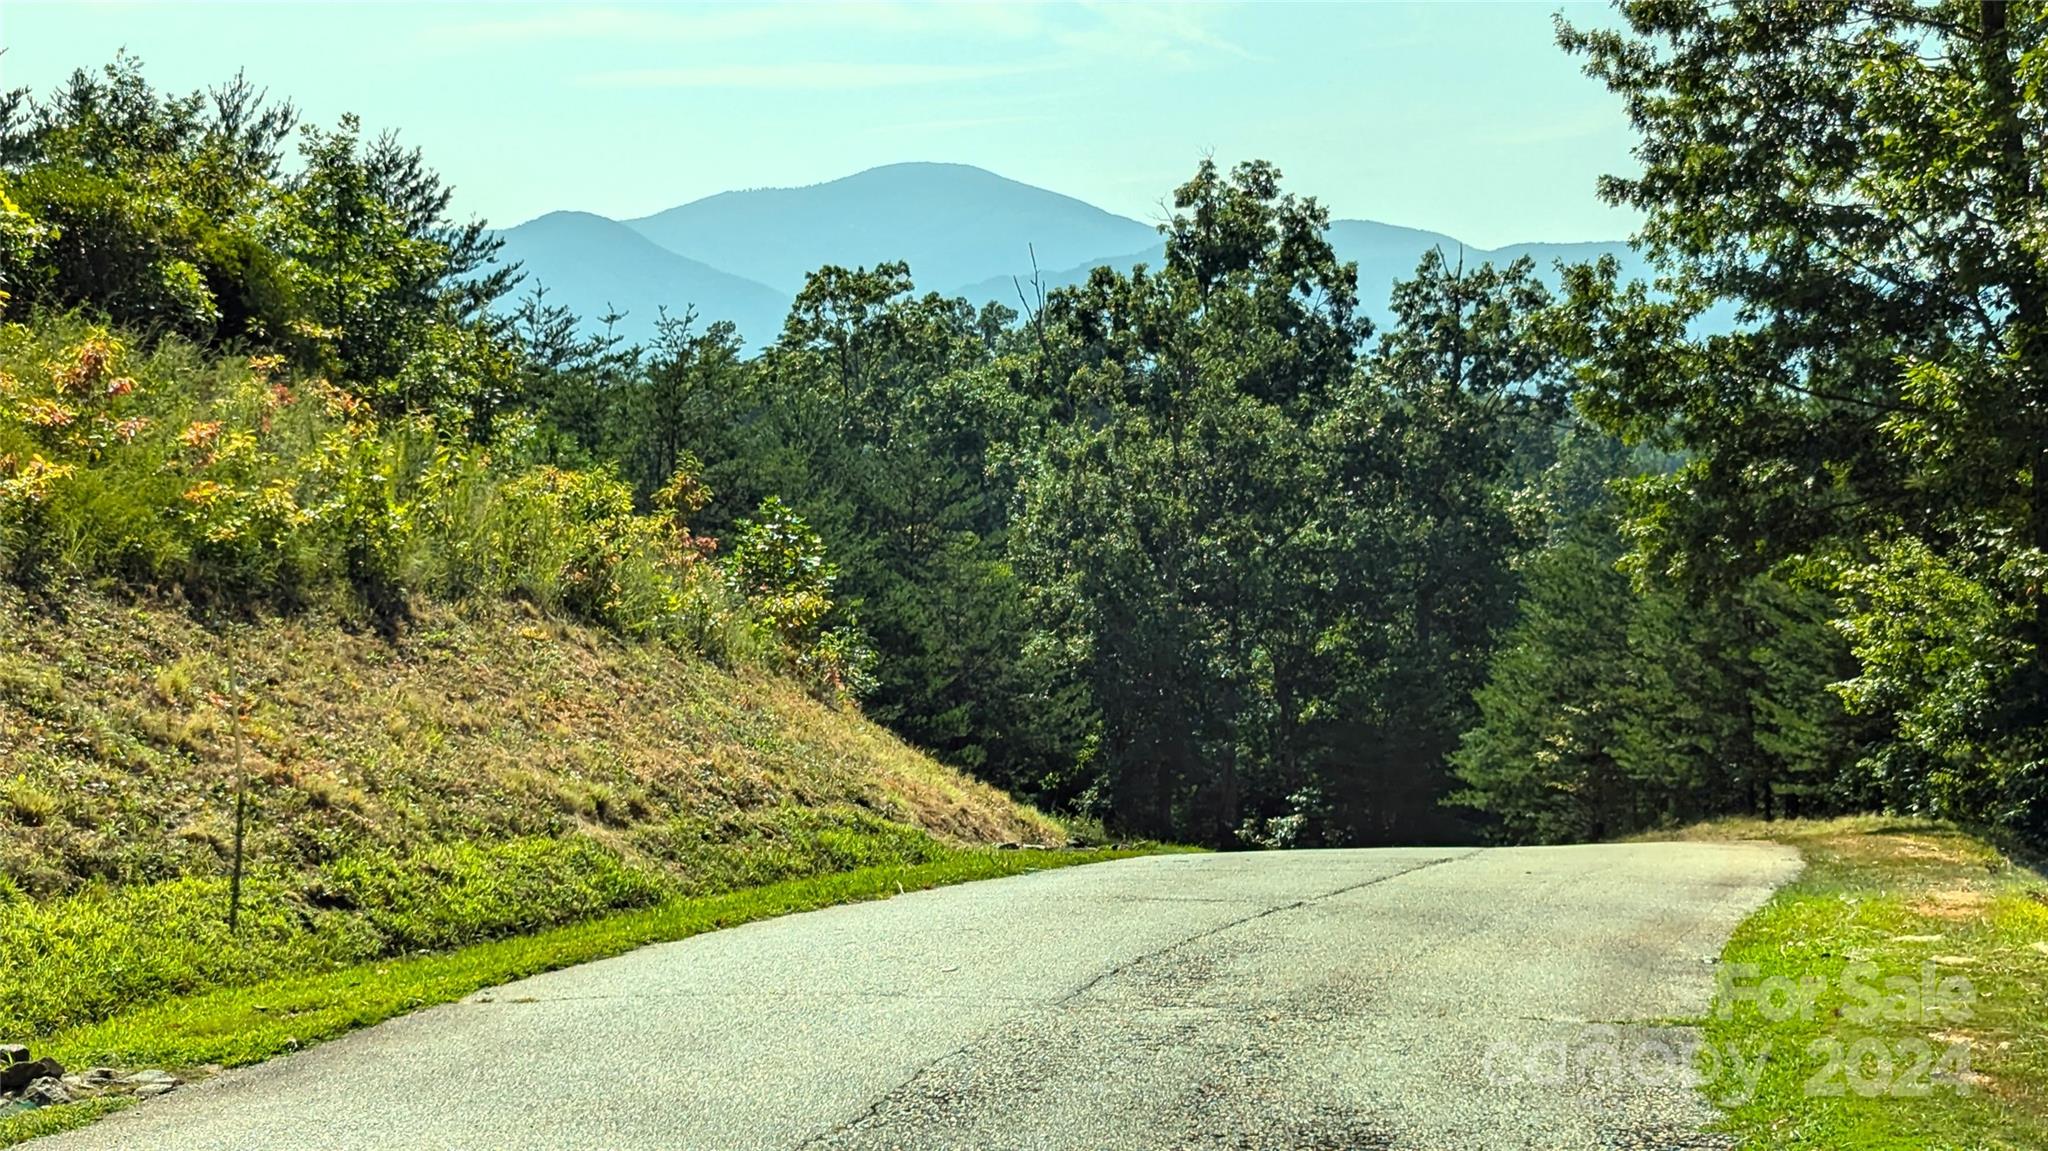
x,y
875,1109
1254,917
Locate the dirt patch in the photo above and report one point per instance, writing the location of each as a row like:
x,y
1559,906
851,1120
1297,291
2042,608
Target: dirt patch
x,y
1951,903
1917,847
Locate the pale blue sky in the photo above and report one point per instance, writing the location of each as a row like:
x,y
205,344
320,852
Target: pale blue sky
x,y
1464,118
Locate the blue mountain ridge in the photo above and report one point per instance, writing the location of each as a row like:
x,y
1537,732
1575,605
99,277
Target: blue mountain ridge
x,y
741,256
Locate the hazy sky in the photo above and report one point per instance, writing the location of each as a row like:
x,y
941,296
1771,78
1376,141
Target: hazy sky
x,y
1464,118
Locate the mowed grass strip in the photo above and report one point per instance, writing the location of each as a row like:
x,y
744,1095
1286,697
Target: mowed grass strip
x,y
25,1125
1897,993
241,1025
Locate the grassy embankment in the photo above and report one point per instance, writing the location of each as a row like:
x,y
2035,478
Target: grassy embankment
x,y
492,794
1898,992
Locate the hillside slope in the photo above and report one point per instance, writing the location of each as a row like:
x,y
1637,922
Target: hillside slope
x,y
116,737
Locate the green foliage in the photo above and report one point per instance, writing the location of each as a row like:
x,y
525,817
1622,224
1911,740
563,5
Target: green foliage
x,y
1543,758
887,422
225,480
21,236
1170,534
171,216
1940,650
778,563
154,205
1859,184
1442,451
1613,708
1185,549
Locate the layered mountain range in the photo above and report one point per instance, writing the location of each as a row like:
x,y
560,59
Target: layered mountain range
x,y
742,256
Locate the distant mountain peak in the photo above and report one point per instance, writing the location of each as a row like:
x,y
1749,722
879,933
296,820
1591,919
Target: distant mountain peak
x,y
964,230
954,223
593,264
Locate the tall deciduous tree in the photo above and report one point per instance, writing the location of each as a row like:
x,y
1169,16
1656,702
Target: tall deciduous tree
x,y
1863,179
1450,419
1172,533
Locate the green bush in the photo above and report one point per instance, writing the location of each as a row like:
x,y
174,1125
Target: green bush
x,y
231,483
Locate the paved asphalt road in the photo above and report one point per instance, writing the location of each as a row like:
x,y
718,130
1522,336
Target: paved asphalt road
x,y
1401,998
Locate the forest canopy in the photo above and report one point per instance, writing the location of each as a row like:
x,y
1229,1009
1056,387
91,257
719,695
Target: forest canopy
x,y
1192,548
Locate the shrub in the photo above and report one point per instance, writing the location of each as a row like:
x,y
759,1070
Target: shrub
x,y
234,484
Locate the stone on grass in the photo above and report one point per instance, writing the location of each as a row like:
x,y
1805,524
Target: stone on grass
x,y
148,1083
47,1092
91,1081
16,1076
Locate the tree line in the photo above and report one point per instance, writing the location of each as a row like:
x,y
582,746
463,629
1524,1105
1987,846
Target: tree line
x,y
1195,549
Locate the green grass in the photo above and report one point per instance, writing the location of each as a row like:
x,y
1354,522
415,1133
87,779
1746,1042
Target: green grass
x,y
25,1125
1919,902
80,958
240,1025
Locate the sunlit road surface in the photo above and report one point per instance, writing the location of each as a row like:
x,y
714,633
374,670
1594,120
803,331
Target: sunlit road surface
x,y
1398,998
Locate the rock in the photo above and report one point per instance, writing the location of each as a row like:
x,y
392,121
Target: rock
x,y
13,1053
152,1090
47,1092
142,1079
91,1081
16,1076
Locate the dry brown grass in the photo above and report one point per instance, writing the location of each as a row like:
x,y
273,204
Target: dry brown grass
x,y
1958,903
115,730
